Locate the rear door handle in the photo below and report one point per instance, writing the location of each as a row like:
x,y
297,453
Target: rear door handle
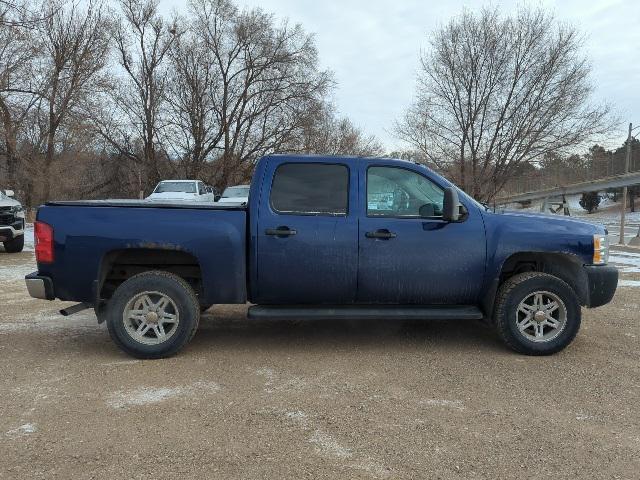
x,y
382,233
280,231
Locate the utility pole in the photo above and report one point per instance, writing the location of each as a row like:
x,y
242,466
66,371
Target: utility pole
x,y
627,160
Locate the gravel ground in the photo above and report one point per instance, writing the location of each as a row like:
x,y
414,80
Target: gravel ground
x,y
315,399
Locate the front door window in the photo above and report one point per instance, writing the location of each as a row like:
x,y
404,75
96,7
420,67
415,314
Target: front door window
x,y
397,192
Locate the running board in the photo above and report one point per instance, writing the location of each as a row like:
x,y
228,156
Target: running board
x,y
75,309
365,312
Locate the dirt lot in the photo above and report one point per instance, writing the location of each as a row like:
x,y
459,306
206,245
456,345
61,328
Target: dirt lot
x,y
315,399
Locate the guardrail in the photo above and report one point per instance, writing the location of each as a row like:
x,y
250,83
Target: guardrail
x,y
615,181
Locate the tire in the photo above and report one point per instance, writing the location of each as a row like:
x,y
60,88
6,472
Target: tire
x,y
131,321
14,246
536,313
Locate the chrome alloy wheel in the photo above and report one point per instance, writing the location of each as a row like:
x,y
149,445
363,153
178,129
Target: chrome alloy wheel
x,y
151,318
541,316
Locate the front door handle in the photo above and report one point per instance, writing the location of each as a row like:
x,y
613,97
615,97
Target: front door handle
x,y
382,233
280,231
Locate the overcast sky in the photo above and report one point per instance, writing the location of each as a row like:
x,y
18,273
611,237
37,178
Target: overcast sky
x,y
373,46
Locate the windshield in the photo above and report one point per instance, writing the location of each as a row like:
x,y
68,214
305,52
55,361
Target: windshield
x,y
182,187
234,192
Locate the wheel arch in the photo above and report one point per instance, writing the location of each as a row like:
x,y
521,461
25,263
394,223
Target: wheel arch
x,y
565,266
121,264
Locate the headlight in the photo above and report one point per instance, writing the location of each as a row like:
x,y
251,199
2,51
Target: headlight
x,y
600,249
18,211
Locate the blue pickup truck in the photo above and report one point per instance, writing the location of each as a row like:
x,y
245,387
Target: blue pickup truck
x,y
323,237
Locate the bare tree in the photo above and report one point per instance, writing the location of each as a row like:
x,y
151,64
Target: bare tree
x,y
19,90
494,91
202,96
257,80
19,13
325,133
194,129
74,43
134,127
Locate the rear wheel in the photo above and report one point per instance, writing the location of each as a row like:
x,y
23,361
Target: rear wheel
x,y
537,313
153,314
14,246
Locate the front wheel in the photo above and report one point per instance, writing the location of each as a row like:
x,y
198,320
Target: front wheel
x,y
153,314
536,313
15,245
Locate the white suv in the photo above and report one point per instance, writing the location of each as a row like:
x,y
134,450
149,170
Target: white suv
x,y
11,223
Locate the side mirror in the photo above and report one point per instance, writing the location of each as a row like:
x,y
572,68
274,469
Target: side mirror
x,y
450,206
9,193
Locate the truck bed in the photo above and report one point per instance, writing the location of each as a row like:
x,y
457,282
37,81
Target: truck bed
x,y
91,235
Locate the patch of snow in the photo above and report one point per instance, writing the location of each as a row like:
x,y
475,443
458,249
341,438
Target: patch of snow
x,y
50,321
13,297
629,283
296,414
574,202
150,395
26,429
269,373
298,417
627,262
143,396
327,445
583,416
623,253
29,244
12,273
12,327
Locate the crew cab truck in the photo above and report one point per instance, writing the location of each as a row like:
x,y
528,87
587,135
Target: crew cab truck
x,y
323,237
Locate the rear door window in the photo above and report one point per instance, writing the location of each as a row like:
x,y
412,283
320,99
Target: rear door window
x,y
310,189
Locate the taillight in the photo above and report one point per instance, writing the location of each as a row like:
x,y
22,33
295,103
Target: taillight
x,y
44,242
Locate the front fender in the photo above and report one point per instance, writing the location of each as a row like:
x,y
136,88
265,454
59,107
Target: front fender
x,y
561,245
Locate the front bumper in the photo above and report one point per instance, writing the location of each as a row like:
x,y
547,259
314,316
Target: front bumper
x,y
39,286
602,281
9,232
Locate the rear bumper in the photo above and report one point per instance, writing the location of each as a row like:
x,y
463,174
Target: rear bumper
x,y
602,281
39,286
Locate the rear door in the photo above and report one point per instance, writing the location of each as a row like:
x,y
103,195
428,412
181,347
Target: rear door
x,y
408,254
307,233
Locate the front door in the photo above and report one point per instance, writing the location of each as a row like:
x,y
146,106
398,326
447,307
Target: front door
x,y
407,253
307,235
